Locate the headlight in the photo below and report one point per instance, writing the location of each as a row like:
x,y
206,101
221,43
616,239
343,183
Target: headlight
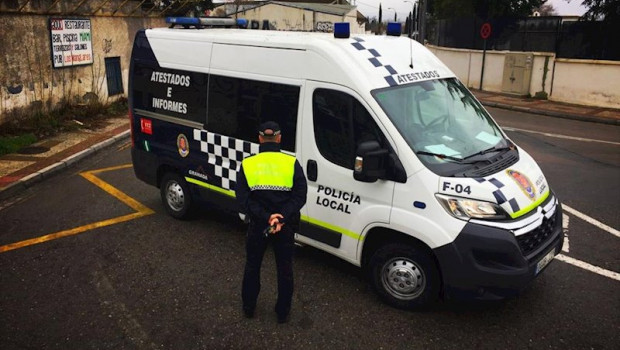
x,y
465,208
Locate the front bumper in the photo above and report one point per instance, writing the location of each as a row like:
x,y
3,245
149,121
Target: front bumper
x,y
486,262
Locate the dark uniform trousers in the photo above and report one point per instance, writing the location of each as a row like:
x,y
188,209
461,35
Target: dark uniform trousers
x,y
284,246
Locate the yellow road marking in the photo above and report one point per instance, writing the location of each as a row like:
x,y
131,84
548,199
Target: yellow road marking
x,y
124,146
140,209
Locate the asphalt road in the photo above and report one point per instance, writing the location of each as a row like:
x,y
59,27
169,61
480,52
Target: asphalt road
x,y
127,276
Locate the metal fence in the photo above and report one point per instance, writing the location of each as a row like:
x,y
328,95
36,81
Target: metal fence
x,y
568,38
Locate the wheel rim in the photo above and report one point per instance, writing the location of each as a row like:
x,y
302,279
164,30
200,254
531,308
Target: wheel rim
x,y
402,278
175,196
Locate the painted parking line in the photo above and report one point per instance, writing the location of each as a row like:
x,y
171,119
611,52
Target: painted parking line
x,y
91,176
591,221
558,136
566,249
589,267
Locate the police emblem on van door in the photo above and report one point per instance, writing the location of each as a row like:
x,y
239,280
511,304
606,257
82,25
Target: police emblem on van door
x,y
523,182
182,145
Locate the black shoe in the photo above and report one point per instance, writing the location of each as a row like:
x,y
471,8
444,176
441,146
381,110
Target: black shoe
x,y
249,313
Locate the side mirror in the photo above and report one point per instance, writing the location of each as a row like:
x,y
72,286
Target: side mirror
x,y
370,162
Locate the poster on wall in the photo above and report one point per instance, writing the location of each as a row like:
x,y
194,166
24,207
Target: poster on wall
x,y
71,42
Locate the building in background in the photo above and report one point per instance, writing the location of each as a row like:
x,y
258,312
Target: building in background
x,y
297,16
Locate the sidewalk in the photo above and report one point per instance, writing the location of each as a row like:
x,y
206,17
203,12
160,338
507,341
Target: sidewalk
x,y
20,171
46,157
549,108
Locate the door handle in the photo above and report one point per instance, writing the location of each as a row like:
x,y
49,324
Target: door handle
x,y
312,170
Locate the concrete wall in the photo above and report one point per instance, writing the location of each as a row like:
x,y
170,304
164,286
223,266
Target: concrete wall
x,y
26,74
589,82
292,18
585,82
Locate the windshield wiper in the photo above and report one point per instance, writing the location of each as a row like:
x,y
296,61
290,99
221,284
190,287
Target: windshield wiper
x,y
443,156
489,150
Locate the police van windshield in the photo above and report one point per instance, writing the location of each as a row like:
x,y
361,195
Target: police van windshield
x,y
442,122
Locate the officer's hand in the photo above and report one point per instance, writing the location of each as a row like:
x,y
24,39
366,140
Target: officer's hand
x,y
274,220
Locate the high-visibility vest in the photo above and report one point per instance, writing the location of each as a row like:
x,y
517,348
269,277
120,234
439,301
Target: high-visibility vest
x,y
269,171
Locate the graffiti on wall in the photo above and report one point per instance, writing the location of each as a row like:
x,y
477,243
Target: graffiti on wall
x,y
107,45
326,27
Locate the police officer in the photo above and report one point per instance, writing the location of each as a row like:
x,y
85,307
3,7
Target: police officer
x,y
271,189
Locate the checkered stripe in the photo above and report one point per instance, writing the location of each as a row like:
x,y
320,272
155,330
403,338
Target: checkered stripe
x,y
499,195
375,61
224,156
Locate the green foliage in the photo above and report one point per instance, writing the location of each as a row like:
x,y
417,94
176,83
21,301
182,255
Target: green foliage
x,y
64,117
485,9
607,10
11,144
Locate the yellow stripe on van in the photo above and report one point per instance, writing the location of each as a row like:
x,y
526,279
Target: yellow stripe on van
x,y
531,206
211,187
331,227
304,218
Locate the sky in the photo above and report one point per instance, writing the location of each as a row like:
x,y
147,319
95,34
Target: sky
x,y
370,8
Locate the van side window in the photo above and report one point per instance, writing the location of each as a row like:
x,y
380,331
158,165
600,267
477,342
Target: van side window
x,y
341,123
236,107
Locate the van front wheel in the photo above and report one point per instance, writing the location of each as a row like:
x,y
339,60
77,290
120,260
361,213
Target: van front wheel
x,y
405,276
175,196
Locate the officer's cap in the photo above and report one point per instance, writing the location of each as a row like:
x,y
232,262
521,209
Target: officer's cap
x,y
269,128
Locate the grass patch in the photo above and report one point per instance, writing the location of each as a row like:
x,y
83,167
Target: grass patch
x,y
12,144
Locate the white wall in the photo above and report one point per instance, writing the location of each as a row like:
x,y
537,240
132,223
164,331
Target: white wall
x,y
292,18
584,82
588,82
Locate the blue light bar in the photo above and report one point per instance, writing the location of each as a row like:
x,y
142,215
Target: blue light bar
x,y
394,29
183,20
341,30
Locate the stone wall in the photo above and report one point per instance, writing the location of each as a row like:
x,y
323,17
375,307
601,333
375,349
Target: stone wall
x,y
27,78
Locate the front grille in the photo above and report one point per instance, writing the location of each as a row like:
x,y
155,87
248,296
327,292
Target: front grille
x,y
531,241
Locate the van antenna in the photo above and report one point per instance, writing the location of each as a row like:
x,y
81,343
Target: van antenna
x,y
411,52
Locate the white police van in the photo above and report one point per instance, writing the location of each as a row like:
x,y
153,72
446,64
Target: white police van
x,y
408,175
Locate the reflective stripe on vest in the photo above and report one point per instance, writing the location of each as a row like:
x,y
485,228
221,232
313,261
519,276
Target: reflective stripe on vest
x,y
269,171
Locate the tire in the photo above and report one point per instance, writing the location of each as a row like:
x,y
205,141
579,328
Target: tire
x,y
175,196
405,276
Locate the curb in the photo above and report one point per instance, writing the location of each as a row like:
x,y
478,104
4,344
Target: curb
x,y
29,180
554,114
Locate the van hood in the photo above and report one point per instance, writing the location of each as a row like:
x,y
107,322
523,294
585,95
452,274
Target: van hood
x,y
517,189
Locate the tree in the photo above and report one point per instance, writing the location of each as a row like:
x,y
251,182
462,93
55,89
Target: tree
x,y
178,8
546,10
606,10
485,9
380,19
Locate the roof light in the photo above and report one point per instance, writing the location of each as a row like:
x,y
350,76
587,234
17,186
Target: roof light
x,y
242,23
182,20
394,29
201,22
217,21
341,30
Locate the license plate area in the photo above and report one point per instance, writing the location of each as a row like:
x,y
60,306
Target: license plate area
x,y
542,263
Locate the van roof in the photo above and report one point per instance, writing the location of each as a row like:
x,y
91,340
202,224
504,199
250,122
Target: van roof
x,y
376,61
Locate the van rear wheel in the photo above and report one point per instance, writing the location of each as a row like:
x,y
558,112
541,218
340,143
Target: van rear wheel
x,y
405,276
175,196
